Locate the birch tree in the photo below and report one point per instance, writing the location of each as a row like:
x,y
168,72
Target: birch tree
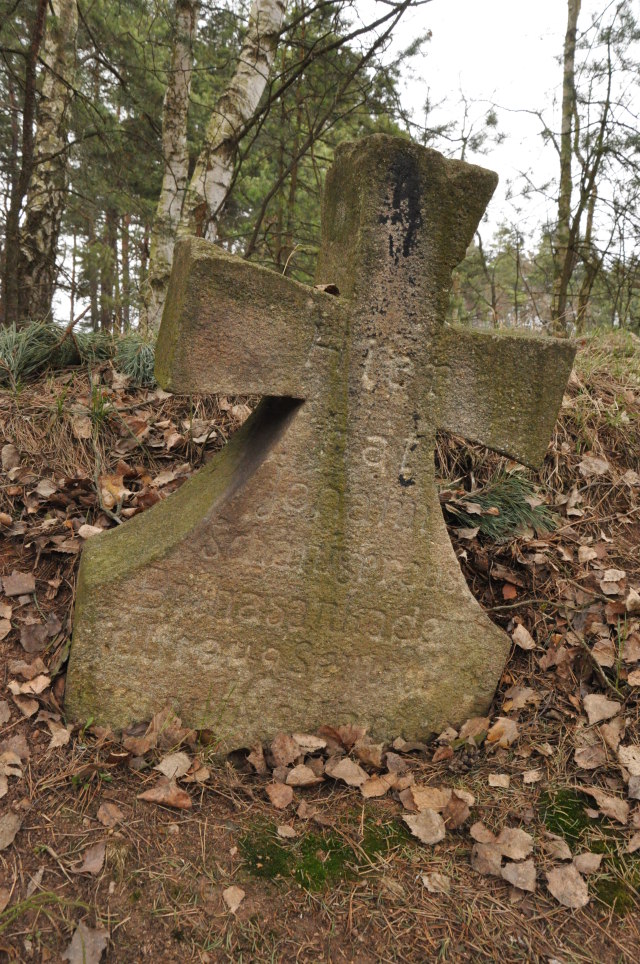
x,y
564,257
175,156
213,172
47,187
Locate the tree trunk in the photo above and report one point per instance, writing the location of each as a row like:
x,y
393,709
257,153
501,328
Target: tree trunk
x,y
37,269
126,273
20,178
175,156
563,261
213,172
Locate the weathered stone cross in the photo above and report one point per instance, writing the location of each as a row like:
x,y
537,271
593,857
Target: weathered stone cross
x,y
305,576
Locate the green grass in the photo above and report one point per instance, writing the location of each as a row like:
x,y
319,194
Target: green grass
x,y
505,509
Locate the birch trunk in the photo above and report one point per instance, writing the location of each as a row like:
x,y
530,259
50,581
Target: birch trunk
x,y
564,256
176,165
47,187
213,172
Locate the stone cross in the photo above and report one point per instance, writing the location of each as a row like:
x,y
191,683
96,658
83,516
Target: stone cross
x,y
305,575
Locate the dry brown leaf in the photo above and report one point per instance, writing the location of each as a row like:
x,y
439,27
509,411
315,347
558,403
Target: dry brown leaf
x,y
590,757
481,833
10,824
486,859
632,602
629,757
556,846
93,859
568,887
86,946
634,843
456,811
604,653
303,776
27,706
588,863
86,531
612,807
309,743
586,554
5,628
60,735
174,765
517,697
475,727
523,638
346,770
599,708
633,789
168,793
521,875
437,883
257,760
109,814
371,754
286,831
284,750
378,785
499,780
593,466
633,679
504,732
425,798
279,794
428,826
233,897
19,584
613,732
514,843
531,776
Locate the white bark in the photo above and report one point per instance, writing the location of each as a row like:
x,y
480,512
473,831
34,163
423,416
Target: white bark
x,y
213,172
176,164
47,186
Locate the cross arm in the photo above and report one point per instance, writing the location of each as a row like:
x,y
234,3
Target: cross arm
x,y
502,390
233,327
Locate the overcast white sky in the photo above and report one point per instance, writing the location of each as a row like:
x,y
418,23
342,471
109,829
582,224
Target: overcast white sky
x,y
502,52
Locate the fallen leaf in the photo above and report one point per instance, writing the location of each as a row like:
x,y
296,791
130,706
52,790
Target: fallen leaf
x,y
437,883
174,765
599,708
456,811
93,859
556,846
632,602
425,798
5,628
590,757
586,554
486,859
531,776
629,757
60,735
633,788
371,754
284,750
34,637
475,727
257,760
346,770
500,780
86,946
613,732
287,832
428,826
10,823
233,897
523,638
279,794
109,814
612,807
504,732
167,792
5,897
27,706
19,584
588,863
514,843
634,843
633,679
309,743
378,785
81,426
5,712
568,887
481,833
521,875
303,776
10,457
592,466
86,531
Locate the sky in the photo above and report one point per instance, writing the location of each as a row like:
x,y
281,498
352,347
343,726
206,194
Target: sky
x,y
501,52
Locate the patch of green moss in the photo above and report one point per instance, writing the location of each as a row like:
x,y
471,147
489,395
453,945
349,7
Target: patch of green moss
x,y
316,860
617,894
563,813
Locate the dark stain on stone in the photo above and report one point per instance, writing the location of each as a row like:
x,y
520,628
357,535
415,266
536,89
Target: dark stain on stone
x,y
404,482
405,206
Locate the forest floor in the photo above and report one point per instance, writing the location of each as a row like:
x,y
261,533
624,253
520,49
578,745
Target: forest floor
x,y
516,838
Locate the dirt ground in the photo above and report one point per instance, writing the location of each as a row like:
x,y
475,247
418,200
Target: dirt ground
x,y
225,860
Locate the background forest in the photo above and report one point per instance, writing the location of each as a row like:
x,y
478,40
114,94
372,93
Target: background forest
x,y
125,124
